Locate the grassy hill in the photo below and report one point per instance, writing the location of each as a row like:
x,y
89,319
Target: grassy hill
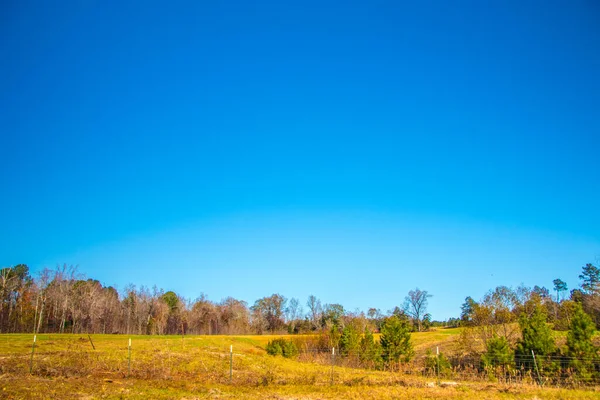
x,y
197,367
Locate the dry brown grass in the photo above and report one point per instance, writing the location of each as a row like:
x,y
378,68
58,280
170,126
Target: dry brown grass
x,y
197,367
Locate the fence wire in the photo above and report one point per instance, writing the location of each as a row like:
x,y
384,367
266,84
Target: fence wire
x,y
213,364
544,370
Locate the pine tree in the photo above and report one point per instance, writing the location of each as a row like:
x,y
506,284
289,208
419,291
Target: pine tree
x,y
282,347
370,351
349,341
437,364
581,351
590,276
537,337
498,352
395,340
334,337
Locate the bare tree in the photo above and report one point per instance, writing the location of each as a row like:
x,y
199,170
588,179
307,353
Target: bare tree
x,y
204,316
13,282
293,312
43,282
234,316
415,305
268,313
6,278
314,310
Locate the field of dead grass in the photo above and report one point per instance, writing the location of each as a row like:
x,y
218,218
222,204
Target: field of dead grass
x,y
197,367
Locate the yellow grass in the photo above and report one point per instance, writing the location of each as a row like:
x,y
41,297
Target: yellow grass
x,y
197,367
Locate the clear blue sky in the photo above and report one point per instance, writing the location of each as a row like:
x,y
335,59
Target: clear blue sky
x,y
350,150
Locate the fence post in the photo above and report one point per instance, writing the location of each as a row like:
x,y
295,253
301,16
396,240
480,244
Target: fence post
x,y
230,364
32,351
92,343
332,363
437,363
129,358
536,368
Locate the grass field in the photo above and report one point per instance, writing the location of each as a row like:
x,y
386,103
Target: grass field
x,y
197,367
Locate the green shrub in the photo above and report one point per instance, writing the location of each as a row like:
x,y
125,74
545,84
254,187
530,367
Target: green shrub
x,y
282,347
498,360
498,352
290,349
274,347
435,364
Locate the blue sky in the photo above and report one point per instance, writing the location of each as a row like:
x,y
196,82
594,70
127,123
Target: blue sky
x,y
350,150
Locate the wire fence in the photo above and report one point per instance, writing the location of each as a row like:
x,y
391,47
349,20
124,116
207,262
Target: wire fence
x,y
550,370
320,367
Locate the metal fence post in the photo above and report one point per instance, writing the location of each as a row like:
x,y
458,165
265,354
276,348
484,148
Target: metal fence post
x,y
32,351
536,368
332,363
437,363
129,358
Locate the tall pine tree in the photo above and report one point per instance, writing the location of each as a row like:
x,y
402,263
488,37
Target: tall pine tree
x,y
581,351
395,340
498,352
349,341
537,337
370,351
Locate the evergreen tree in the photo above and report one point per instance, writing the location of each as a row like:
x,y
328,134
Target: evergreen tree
x,y
395,340
334,337
437,364
590,275
581,351
537,337
498,352
565,312
427,322
274,347
282,347
559,286
370,350
349,341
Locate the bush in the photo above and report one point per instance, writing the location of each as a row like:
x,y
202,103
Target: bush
x,y
274,347
498,360
498,352
282,347
435,364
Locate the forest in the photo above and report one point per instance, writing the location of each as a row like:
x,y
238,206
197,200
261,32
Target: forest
x,y
61,300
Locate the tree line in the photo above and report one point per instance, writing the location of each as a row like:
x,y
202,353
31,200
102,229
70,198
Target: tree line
x,y
504,331
512,329
62,300
509,333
